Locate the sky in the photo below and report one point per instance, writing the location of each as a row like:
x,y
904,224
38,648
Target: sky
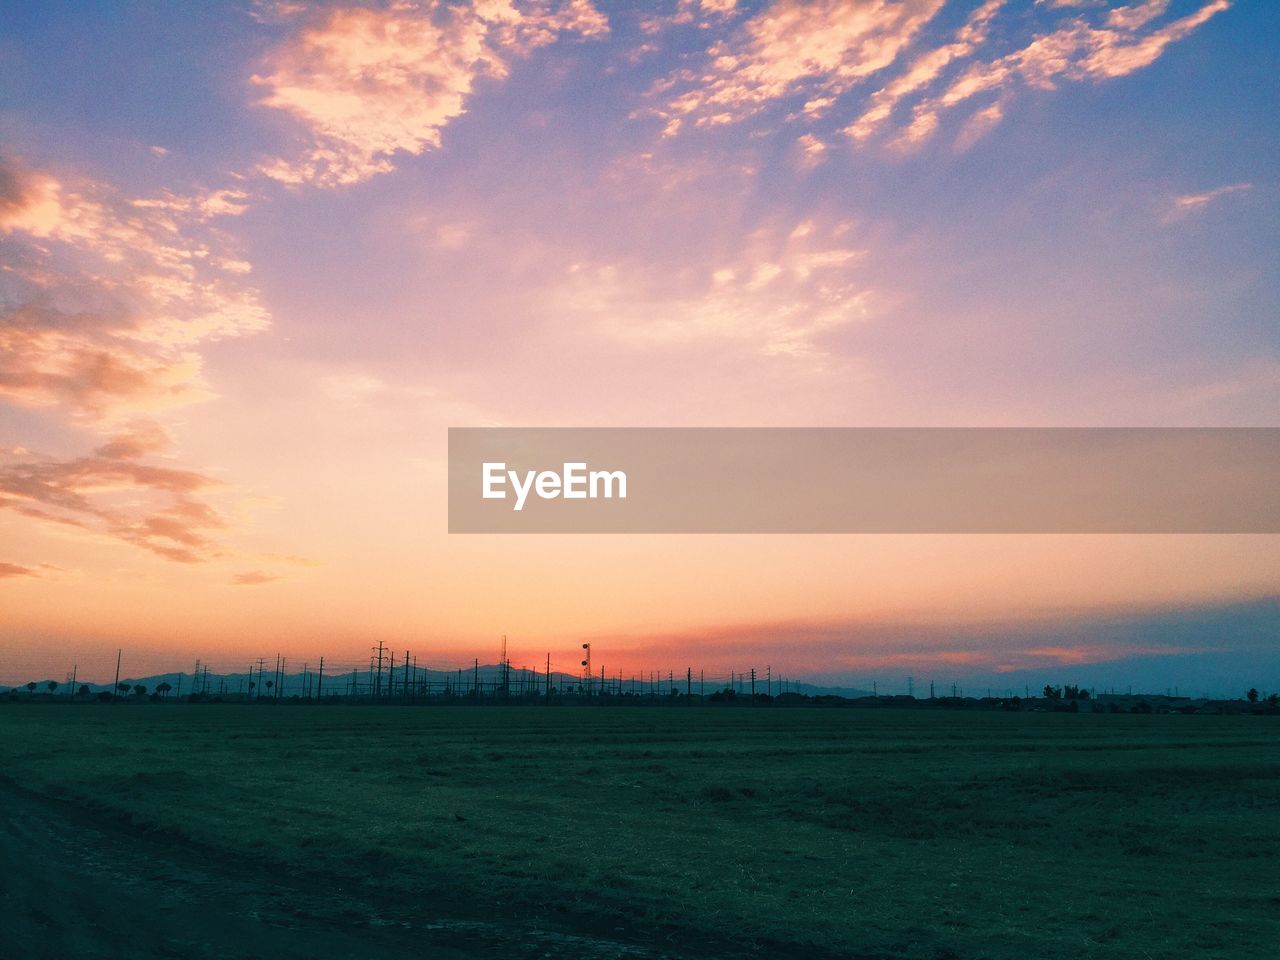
x,y
257,257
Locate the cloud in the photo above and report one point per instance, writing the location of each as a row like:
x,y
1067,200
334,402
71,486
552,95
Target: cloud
x,y
820,59
158,508
926,68
366,83
1191,202
105,304
851,652
252,578
700,14
104,300
16,570
791,49
776,296
205,205
1077,52
812,151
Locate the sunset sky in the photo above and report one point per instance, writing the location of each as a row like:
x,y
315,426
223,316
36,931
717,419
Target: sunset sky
x,y
257,257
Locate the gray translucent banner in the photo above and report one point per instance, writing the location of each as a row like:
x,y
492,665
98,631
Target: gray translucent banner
x,y
855,480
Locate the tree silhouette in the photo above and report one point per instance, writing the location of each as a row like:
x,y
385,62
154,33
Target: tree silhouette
x,y
140,690
1252,694
123,687
84,690
52,685
31,687
1052,693
270,684
163,689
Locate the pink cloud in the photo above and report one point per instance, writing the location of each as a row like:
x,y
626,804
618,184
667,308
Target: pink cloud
x,y
157,508
1192,202
366,83
776,296
818,49
253,578
109,303
1077,52
109,299
926,68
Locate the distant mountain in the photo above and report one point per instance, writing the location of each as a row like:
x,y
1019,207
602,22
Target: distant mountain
x,y
816,690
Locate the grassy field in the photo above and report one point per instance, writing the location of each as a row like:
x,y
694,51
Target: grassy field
x,y
886,833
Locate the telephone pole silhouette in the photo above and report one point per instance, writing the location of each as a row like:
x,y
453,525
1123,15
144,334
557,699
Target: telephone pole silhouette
x,y
377,685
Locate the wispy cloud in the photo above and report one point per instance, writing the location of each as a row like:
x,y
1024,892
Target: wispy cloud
x,y
253,578
775,296
114,492
368,82
1079,51
819,60
1191,202
924,69
791,49
812,151
106,300
1039,646
16,570
107,303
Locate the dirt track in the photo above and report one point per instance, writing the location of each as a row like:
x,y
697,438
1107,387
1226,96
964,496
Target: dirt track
x,y
72,887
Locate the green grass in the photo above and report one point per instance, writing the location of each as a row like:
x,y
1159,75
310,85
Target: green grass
x,y
888,833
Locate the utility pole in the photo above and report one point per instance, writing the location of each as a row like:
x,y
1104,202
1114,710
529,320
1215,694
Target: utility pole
x,y
74,667
475,679
378,683
688,683
502,662
753,685
116,686
768,674
320,679
548,678
911,687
